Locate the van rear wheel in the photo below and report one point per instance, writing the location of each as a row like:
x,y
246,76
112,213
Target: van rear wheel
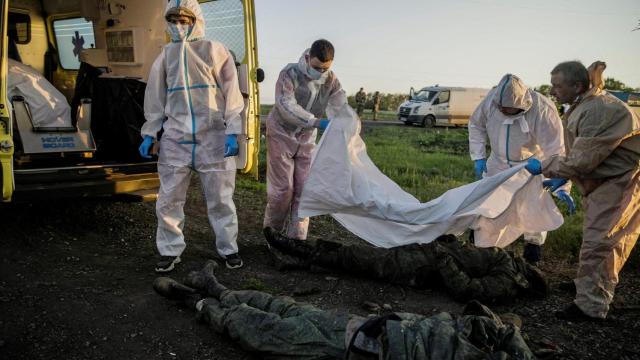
x,y
429,121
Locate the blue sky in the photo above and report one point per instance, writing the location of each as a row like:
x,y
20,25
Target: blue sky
x,y
392,45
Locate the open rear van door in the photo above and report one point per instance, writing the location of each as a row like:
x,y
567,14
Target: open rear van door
x,y
6,131
232,22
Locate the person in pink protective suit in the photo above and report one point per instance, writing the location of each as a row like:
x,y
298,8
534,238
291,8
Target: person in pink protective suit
x,y
303,92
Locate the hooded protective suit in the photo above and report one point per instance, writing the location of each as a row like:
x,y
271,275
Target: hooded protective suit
x,y
603,141
534,132
300,102
193,94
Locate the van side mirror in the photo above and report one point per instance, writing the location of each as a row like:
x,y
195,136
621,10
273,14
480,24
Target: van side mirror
x,y
259,75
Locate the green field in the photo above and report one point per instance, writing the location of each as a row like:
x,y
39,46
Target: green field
x,y
426,163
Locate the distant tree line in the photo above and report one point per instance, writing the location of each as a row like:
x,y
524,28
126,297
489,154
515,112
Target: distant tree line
x,y
388,102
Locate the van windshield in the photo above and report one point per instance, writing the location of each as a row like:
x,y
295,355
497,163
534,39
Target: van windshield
x,y
424,95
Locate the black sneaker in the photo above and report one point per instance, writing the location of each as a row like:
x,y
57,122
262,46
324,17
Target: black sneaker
x,y
233,261
574,313
167,263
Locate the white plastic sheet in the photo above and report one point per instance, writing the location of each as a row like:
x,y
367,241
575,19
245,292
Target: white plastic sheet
x,y
345,183
49,108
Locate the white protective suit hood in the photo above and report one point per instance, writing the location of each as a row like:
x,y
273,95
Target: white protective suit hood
x,y
197,32
512,92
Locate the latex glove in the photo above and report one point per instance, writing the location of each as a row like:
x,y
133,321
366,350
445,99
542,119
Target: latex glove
x,y
534,166
231,147
480,167
553,184
144,148
567,199
323,123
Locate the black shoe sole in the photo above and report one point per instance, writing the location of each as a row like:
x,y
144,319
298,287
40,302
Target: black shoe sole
x,y
168,268
234,266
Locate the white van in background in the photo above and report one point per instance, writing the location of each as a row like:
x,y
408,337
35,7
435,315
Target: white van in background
x,y
440,105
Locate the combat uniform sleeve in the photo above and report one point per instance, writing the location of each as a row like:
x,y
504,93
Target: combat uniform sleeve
x,y
478,132
289,109
227,75
599,132
155,98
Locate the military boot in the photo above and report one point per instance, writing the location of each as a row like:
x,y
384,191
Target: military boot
x,y
298,248
205,281
172,289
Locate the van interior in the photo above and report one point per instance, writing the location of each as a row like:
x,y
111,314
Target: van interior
x,y
97,54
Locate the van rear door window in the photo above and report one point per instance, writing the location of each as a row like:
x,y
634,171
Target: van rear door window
x,y
225,23
72,36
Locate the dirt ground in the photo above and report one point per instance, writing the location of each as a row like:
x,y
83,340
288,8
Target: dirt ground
x,y
75,283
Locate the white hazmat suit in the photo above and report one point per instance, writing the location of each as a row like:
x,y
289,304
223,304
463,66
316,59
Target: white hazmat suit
x,y
300,102
193,94
535,132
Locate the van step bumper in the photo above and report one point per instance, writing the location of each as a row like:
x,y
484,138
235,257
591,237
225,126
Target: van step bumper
x,y
136,182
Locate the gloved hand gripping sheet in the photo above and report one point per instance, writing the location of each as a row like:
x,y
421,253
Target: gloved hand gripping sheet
x,y
345,183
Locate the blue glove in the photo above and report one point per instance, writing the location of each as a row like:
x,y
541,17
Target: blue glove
x,y
323,124
480,167
534,166
564,196
231,147
553,184
146,146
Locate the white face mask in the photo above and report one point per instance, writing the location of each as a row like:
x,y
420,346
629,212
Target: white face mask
x,y
179,32
315,74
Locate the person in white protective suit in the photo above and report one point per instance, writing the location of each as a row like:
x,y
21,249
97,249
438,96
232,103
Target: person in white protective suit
x,y
520,123
603,161
303,92
193,95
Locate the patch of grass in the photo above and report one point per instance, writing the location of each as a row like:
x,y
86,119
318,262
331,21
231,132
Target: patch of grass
x,y
249,183
265,109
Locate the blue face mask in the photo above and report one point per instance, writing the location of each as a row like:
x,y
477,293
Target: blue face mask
x,y
179,32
